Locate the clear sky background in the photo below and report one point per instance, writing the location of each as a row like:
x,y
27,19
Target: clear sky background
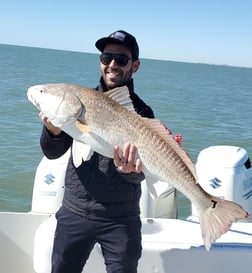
x,y
208,31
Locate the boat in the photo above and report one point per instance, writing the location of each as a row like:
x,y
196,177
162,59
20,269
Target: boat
x,y
169,244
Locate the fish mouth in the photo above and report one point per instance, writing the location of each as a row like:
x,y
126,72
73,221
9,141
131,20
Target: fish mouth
x,y
31,98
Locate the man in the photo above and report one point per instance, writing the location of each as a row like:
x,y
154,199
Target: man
x,y
101,200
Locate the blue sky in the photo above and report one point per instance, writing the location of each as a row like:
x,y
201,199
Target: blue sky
x,y
208,31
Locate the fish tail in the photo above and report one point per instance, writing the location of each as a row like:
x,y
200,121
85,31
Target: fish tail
x,y
217,219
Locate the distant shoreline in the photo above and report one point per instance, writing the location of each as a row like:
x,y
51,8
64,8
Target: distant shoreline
x,y
156,59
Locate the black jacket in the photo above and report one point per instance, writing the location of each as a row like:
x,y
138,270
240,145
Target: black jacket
x,y
96,188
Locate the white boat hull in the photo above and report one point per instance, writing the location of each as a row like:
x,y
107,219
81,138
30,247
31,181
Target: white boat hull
x,y
169,245
17,232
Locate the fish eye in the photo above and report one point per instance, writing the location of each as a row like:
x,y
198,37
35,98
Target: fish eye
x,y
41,90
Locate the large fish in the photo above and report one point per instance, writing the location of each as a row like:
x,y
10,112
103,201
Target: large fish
x,y
103,120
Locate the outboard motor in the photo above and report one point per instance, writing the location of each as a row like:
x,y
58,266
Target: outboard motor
x,y
48,189
225,171
164,206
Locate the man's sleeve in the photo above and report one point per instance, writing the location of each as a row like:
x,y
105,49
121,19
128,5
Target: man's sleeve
x,y
54,147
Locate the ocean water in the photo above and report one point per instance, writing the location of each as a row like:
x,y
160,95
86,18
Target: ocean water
x,y
207,104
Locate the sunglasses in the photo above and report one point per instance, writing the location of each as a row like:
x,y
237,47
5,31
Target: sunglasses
x,y
120,59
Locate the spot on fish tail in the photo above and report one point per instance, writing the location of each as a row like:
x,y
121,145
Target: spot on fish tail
x,y
214,204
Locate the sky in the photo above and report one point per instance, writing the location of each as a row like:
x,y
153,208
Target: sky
x,y
198,31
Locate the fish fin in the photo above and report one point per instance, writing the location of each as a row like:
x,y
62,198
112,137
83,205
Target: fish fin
x,y
218,218
166,134
122,96
81,152
82,127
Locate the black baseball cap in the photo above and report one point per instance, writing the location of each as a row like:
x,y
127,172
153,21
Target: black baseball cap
x,y
120,37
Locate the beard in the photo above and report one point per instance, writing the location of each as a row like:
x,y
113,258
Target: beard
x,y
116,77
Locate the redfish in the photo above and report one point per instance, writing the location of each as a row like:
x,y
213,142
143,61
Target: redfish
x,y
103,120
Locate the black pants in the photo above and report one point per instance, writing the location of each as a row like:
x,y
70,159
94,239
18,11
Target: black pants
x,y
75,237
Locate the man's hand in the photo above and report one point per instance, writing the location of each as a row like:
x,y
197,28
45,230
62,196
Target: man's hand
x,y
125,160
50,127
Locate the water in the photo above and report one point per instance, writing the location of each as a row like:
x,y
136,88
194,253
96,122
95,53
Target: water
x,y
207,104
